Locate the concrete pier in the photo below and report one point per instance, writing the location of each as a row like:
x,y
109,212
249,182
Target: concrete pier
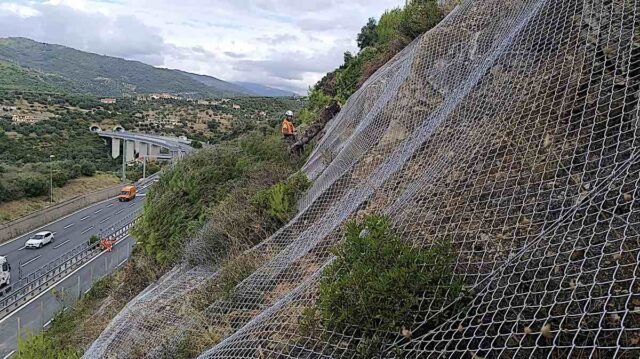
x,y
115,148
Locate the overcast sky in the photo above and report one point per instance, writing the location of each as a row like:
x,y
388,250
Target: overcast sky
x,y
289,44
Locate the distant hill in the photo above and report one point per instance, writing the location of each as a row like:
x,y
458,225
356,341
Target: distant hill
x,y
261,90
217,83
40,66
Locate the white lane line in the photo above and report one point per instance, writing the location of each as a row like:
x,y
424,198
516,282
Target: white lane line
x,y
47,324
23,247
120,211
110,205
9,355
86,230
30,260
56,221
69,225
104,220
61,244
98,211
132,204
85,217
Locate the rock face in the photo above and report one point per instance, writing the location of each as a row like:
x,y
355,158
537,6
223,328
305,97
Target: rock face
x,y
512,130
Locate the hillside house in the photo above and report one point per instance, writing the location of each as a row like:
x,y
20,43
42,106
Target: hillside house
x,y
108,100
23,118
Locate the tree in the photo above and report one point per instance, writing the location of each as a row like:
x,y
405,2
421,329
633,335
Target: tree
x,y
368,36
348,56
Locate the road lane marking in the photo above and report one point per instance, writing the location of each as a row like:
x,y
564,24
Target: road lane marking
x,y
69,225
23,247
86,230
132,204
30,260
110,205
85,217
120,211
98,211
61,244
9,355
104,220
56,221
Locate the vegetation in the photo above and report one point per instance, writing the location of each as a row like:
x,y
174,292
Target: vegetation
x,y
73,330
41,346
178,205
376,282
378,43
61,124
278,202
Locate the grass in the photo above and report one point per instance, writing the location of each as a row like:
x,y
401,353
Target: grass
x,y
12,210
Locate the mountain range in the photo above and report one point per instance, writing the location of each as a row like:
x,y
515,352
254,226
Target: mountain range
x,y
28,65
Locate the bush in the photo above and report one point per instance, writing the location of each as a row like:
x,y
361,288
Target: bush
x,y
389,26
87,168
278,202
40,346
418,17
94,239
34,186
176,207
377,281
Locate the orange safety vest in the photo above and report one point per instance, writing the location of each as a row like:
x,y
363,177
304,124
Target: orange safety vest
x,y
287,127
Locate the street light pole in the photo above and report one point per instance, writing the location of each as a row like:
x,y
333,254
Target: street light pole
x,y
51,157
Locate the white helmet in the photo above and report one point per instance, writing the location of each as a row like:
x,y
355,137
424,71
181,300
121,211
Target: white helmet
x,y
289,113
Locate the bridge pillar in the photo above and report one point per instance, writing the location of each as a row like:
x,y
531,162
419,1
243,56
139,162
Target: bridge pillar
x,y
115,148
136,147
154,151
130,156
144,149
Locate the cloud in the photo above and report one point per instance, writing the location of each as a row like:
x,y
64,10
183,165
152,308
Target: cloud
x,y
283,43
120,36
234,55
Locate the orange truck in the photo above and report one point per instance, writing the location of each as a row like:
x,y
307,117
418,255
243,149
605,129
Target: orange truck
x,y
127,194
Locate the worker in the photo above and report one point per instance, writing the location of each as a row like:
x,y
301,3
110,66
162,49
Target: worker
x,y
288,130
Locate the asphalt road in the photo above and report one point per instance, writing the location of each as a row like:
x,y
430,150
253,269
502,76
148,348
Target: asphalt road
x,y
37,313
70,231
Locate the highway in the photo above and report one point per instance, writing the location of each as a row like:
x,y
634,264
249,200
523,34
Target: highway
x,y
70,231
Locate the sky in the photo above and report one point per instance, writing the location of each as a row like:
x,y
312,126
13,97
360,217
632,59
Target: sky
x,y
289,44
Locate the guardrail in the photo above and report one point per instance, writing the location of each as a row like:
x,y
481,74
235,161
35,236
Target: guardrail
x,y
35,282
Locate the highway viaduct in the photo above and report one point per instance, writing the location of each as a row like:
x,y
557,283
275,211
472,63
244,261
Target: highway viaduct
x,y
151,147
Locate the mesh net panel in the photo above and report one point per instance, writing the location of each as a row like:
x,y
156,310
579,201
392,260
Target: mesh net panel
x,y
511,130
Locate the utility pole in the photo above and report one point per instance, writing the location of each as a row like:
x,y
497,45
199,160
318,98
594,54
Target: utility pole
x,y
144,167
51,157
124,161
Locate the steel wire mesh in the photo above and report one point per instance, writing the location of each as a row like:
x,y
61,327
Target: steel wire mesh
x,y
511,130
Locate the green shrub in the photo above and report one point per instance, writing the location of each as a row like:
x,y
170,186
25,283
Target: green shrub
x,y
419,16
34,186
389,25
94,239
41,346
278,202
348,78
87,168
377,281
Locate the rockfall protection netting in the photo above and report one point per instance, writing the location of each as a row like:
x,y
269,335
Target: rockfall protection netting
x,y
511,129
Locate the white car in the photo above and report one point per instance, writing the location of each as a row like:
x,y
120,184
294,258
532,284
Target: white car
x,y
39,239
